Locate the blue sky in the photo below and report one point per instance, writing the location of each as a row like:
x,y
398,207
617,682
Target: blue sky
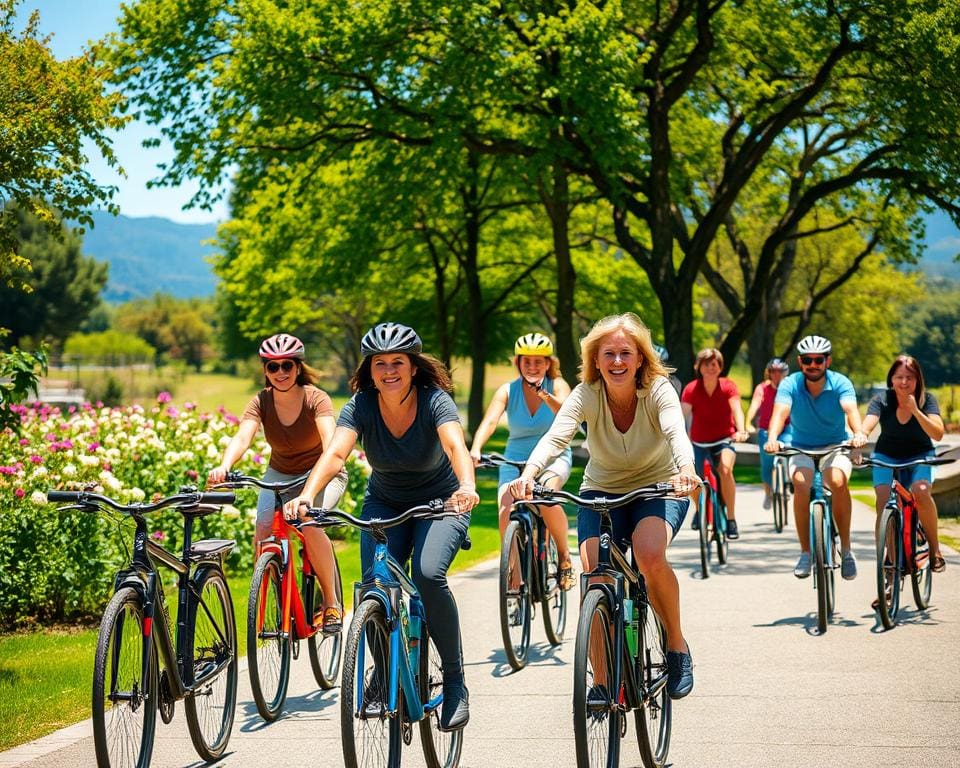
x,y
73,23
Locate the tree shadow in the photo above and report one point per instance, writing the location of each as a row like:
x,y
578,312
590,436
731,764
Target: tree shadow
x,y
539,655
309,707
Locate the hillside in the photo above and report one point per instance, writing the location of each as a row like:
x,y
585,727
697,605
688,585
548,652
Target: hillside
x,y
150,255
942,246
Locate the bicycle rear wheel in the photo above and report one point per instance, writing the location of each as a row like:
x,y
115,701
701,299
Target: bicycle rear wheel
x,y
596,712
654,716
703,507
325,650
212,633
515,599
921,575
888,567
268,647
553,600
370,734
441,749
820,560
720,531
124,703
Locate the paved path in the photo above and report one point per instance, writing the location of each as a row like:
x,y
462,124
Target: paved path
x,y
769,691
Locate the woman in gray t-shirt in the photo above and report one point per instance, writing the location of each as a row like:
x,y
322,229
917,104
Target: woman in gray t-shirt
x,y
403,415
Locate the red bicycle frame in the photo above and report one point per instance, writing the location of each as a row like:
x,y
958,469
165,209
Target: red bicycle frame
x,y
281,541
709,478
908,510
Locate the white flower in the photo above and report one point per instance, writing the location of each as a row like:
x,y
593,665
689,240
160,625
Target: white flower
x,y
212,452
39,472
38,497
68,470
137,494
90,461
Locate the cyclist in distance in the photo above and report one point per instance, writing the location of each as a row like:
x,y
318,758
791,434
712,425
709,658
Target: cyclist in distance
x,y
909,419
531,401
405,418
712,412
664,356
820,403
761,408
636,437
297,421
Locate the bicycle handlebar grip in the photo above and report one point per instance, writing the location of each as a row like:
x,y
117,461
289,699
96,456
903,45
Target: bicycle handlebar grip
x,y
57,496
218,497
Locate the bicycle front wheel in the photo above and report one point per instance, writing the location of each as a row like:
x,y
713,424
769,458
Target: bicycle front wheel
x,y
888,567
515,599
124,702
212,635
921,575
441,749
324,649
596,711
821,583
720,532
369,732
268,647
655,714
553,600
781,499
703,508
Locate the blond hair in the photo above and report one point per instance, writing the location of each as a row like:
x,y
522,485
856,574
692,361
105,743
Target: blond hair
x,y
633,327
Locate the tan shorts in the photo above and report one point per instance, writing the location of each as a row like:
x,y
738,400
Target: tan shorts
x,y
835,461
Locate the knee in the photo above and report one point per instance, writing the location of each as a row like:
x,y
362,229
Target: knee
x,y
921,491
430,580
726,472
650,560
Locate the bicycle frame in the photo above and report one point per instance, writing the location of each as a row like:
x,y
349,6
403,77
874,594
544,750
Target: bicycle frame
x,y
528,517
817,496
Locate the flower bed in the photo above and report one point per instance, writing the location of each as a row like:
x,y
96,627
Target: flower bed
x,y
59,566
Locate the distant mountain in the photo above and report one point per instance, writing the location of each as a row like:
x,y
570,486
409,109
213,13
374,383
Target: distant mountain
x,y
151,255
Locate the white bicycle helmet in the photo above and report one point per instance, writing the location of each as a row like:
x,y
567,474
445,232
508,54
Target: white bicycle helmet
x,y
776,364
390,337
814,345
281,346
533,344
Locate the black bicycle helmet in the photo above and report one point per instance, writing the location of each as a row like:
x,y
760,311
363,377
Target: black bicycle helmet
x,y
390,337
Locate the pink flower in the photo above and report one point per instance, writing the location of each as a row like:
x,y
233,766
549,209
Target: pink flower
x,y
24,441
158,536
192,474
92,448
188,406
172,412
257,459
19,493
164,397
36,459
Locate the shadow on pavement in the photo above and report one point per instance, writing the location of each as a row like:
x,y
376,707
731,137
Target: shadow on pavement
x,y
539,655
305,708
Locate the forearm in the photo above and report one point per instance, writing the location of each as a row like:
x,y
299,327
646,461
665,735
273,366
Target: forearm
x,y
483,433
932,425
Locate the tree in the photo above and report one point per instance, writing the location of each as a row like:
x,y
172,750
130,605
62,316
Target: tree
x,y
931,331
47,109
180,329
63,286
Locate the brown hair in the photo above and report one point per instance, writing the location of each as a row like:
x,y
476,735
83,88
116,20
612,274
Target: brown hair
x,y
705,356
912,365
305,373
633,326
553,364
430,372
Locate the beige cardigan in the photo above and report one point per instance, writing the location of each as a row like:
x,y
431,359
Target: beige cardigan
x,y
652,450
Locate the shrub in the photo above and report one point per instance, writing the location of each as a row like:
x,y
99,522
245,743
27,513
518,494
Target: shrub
x,y
59,566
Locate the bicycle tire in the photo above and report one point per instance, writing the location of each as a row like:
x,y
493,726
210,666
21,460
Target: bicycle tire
x,y
820,566
371,737
119,659
515,605
720,532
212,644
703,503
888,567
596,714
921,574
441,749
654,716
268,647
325,650
553,600
779,497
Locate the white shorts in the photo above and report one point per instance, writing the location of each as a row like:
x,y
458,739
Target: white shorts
x,y
834,461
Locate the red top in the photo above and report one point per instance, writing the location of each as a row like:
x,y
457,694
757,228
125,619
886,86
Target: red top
x,y
768,392
712,417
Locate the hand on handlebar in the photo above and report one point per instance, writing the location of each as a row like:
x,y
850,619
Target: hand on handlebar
x,y
685,484
217,475
741,437
522,488
463,500
476,456
772,446
295,508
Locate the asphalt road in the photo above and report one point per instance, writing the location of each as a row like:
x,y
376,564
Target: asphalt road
x,y
769,691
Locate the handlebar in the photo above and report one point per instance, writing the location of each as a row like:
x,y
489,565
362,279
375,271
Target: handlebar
x,y
489,460
933,461
549,497
185,500
813,453
322,516
715,443
240,480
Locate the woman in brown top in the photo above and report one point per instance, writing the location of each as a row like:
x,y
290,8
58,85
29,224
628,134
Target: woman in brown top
x,y
298,423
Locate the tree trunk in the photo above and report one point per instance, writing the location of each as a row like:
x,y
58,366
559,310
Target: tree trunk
x,y
475,308
557,204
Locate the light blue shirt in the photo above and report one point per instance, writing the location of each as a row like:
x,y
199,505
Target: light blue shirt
x,y
526,428
816,421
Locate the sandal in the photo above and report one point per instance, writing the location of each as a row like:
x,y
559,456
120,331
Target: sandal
x,y
939,564
565,576
330,620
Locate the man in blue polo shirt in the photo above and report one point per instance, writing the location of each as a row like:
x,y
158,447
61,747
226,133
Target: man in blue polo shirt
x,y
820,404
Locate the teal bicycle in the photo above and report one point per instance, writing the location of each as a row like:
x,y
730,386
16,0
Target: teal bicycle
x,y
392,677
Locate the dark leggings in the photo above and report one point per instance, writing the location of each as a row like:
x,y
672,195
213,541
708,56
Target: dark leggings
x,y
433,544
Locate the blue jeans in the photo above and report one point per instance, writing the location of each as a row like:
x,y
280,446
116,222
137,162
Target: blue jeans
x,y
626,518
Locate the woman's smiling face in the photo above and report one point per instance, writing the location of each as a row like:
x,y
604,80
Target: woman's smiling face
x,y
392,372
618,359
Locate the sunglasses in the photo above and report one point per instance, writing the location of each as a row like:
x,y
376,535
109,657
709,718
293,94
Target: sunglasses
x,y
819,360
286,366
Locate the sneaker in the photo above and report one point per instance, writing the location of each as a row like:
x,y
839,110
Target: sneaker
x,y
767,502
802,569
679,673
848,566
455,712
695,522
732,531
373,698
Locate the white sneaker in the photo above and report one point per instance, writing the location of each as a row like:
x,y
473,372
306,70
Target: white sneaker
x,y
767,502
802,569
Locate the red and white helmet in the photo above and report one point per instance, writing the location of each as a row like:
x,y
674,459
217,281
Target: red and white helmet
x,y
281,346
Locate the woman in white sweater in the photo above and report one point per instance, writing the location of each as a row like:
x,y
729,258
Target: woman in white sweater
x,y
636,436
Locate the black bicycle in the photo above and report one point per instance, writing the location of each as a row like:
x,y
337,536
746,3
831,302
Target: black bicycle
x,y
620,657
135,637
529,575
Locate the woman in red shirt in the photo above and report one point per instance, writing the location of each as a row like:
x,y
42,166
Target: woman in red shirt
x,y
711,407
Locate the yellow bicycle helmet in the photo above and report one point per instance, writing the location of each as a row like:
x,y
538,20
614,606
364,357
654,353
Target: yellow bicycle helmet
x,y
533,344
